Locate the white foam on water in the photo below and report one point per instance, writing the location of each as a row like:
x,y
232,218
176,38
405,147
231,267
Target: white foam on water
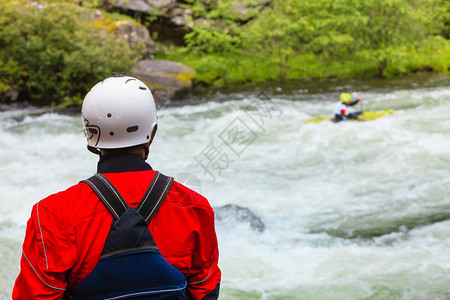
x,y
351,210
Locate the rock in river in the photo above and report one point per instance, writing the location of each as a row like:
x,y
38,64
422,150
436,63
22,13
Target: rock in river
x,y
166,79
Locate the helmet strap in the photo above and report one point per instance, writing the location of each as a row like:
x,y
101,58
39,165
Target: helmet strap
x,y
147,145
147,150
93,150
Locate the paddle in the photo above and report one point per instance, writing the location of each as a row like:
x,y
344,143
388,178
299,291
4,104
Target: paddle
x,y
360,96
362,106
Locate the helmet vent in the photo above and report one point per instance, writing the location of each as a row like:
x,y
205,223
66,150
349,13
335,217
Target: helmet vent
x,y
111,133
132,128
142,88
109,115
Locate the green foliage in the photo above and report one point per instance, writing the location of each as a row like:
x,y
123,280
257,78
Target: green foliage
x,y
340,38
203,40
53,51
57,63
85,3
217,31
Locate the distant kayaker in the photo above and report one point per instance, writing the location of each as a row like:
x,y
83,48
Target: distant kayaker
x,y
128,231
341,111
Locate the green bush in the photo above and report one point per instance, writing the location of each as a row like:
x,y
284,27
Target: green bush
x,y
297,39
52,53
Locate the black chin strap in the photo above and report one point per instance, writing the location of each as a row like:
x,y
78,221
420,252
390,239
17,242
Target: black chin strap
x,y
147,150
93,150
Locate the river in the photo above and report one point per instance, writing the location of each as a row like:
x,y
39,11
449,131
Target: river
x,y
354,210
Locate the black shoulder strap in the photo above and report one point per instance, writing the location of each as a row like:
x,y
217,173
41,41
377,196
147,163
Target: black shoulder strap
x,y
108,194
154,196
114,202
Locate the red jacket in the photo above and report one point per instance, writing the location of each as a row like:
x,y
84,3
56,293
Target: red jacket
x,y
66,233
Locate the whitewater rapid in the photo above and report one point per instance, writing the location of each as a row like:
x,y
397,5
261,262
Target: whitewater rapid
x,y
355,210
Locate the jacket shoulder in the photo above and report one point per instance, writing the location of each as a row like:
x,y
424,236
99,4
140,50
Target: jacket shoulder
x,y
72,204
73,193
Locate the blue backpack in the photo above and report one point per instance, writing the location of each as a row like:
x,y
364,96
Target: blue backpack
x,y
131,266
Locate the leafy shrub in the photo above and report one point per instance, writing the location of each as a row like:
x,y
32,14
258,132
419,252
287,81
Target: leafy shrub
x,y
53,54
295,39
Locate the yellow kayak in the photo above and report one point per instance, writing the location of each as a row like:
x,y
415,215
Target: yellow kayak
x,y
365,116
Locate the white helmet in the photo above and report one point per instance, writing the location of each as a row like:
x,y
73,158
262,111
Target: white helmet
x,y
118,112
